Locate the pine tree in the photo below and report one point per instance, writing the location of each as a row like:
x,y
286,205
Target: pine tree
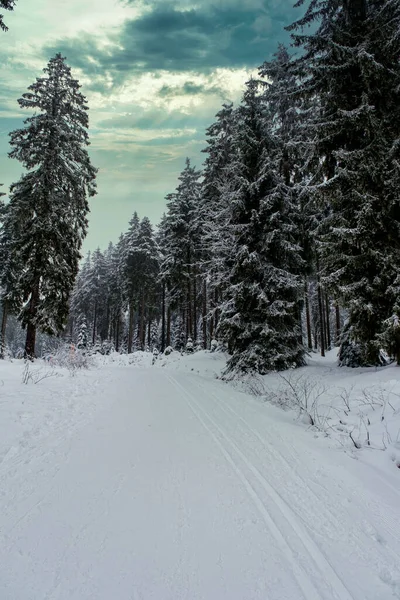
x,y
350,63
83,339
147,273
179,267
259,318
7,5
48,206
213,215
130,269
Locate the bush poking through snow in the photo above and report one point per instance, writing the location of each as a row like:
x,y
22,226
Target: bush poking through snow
x,y
70,358
35,375
302,393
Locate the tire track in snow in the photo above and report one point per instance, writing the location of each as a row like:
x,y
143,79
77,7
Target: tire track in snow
x,y
302,577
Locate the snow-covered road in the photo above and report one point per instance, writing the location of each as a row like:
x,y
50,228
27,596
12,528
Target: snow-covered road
x,y
177,487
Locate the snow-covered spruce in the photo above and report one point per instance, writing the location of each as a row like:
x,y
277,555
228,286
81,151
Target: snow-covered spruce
x,y
45,221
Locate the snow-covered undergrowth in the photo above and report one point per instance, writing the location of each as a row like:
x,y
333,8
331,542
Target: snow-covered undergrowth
x,y
46,399
357,410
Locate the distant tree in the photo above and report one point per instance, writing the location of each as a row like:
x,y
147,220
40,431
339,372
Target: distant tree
x,y
181,243
213,215
82,341
147,275
47,212
7,5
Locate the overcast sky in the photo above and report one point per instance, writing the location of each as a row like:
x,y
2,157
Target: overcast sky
x,y
154,72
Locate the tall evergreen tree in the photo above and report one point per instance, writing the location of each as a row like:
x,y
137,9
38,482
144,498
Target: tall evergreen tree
x,y
131,267
180,244
47,216
350,63
214,213
259,317
147,274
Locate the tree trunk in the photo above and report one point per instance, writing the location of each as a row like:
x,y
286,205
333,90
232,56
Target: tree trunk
x,y
3,329
30,341
94,324
168,334
204,315
31,327
117,326
142,331
308,315
321,318
130,329
163,318
338,327
328,327
216,311
149,333
189,330
195,308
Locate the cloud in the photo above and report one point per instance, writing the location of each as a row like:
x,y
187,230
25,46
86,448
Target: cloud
x,y
180,37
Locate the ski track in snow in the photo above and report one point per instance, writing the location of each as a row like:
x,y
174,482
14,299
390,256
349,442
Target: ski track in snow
x,y
168,486
367,511
305,580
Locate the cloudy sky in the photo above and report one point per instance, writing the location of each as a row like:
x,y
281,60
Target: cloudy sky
x,y
154,72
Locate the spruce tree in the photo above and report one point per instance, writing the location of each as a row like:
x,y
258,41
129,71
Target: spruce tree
x,y
350,64
7,5
147,274
179,267
130,268
49,205
213,215
259,318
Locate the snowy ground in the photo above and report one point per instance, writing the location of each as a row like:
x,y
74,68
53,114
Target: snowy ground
x,y
133,481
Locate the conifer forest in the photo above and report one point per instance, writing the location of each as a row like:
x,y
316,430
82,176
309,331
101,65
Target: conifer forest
x,y
285,241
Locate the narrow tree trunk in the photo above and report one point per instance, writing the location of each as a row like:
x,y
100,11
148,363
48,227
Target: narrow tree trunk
x,y
107,327
308,315
168,334
142,332
3,329
163,318
149,333
31,327
338,327
130,328
321,318
216,311
184,331
117,326
204,315
212,308
189,329
195,308
328,326
94,324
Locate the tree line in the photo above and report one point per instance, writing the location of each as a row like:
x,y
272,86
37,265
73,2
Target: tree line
x,y
288,238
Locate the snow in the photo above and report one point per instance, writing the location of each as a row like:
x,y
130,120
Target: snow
x,y
133,481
